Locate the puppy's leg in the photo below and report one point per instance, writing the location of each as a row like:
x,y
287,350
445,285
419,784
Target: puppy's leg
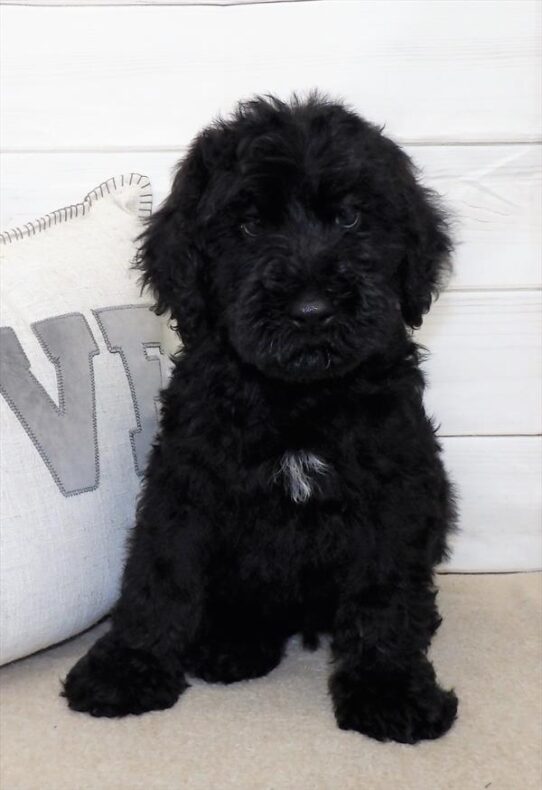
x,y
138,665
385,686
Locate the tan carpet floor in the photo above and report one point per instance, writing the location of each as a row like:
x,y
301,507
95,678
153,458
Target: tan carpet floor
x,y
278,732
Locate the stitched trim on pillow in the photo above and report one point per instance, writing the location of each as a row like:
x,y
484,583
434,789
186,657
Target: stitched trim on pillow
x,y
113,184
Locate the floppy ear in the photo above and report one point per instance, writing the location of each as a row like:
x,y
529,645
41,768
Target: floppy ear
x,y
168,256
427,246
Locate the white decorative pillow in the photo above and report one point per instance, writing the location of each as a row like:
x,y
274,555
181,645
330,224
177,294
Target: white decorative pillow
x,y
80,373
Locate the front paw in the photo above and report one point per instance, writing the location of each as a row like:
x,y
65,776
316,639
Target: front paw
x,y
399,705
115,680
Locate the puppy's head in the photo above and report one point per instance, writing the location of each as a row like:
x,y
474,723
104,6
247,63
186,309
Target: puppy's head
x,y
298,234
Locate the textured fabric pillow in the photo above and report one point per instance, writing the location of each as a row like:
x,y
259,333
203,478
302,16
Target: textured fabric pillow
x,y
81,367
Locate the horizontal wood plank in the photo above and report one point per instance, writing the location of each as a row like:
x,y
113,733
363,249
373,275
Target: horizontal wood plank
x,y
499,497
484,370
145,2
453,70
494,193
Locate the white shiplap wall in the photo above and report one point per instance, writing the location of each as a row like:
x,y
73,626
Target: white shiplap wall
x,y
92,91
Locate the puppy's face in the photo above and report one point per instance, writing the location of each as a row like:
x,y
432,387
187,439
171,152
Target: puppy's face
x,y
300,223
306,252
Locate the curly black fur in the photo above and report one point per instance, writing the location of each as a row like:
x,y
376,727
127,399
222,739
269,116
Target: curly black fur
x,y
296,484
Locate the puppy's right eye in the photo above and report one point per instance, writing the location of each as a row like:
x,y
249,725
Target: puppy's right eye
x,y
251,227
348,219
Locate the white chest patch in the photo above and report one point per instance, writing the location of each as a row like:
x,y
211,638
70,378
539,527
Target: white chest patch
x,y
299,472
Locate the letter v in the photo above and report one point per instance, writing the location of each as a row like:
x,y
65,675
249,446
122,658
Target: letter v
x,y
65,435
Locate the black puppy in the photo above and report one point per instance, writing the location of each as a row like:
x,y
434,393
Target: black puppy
x,y
296,484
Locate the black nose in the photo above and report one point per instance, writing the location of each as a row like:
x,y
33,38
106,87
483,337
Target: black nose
x,y
311,308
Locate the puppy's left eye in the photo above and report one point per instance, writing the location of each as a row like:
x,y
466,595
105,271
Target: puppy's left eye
x,y
347,219
251,227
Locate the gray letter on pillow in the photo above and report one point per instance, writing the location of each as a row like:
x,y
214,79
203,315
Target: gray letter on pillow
x,y
63,434
128,330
